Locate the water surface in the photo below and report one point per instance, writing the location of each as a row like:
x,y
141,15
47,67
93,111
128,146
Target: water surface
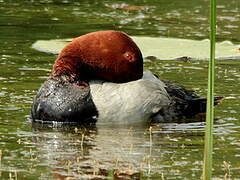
x,y
167,151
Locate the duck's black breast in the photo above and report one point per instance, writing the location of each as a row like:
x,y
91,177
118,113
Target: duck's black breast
x,y
59,100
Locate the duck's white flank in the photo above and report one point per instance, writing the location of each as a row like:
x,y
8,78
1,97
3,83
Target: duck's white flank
x,y
131,102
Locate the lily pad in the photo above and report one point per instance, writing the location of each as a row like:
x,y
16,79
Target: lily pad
x,y
161,48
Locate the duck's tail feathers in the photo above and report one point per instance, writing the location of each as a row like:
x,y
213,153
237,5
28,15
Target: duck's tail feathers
x,y
198,105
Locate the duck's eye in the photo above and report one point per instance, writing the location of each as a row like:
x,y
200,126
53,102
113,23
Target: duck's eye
x,y
129,57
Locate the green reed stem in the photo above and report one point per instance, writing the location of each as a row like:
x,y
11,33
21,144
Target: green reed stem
x,y
208,149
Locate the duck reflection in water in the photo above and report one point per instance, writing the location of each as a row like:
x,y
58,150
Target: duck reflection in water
x,y
115,151
86,152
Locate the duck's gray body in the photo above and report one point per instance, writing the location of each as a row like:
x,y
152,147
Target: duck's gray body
x,y
146,99
135,101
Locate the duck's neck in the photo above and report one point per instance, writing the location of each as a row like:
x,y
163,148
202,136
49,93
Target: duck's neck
x,y
66,69
66,66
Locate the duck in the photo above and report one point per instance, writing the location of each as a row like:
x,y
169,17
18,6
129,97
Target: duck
x,y
99,78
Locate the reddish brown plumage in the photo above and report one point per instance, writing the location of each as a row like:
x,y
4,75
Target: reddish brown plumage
x,y
108,55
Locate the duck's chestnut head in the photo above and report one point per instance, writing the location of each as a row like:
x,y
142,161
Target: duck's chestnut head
x,y
108,55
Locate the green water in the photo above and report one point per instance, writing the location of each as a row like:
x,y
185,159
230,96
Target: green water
x,y
172,151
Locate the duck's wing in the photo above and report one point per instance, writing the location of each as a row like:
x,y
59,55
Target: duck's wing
x,y
186,106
